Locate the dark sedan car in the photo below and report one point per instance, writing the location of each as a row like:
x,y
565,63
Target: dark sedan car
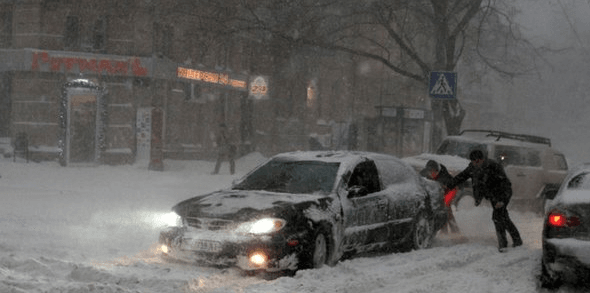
x,y
306,209
566,232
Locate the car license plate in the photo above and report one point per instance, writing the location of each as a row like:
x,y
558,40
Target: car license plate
x,y
201,245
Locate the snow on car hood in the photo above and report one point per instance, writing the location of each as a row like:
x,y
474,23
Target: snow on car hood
x,y
230,202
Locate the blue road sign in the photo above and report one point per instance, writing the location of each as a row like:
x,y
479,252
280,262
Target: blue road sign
x,y
443,85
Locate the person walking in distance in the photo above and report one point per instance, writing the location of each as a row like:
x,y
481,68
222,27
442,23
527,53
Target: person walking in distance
x,y
226,149
490,182
439,173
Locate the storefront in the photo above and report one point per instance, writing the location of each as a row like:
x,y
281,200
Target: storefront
x,y
86,109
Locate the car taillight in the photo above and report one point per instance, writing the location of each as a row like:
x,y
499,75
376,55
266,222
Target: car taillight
x,y
560,219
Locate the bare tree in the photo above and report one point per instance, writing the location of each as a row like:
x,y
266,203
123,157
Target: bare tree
x,y
410,37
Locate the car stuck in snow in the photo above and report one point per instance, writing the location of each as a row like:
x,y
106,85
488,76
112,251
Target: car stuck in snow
x,y
302,210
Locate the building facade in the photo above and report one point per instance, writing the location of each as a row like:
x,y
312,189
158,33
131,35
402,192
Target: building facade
x,y
116,82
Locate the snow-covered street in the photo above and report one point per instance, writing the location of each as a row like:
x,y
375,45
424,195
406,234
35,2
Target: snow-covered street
x,y
95,229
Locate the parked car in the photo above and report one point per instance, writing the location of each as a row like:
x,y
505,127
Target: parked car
x,y
566,232
305,209
535,169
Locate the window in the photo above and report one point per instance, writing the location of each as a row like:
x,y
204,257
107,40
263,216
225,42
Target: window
x,y
296,177
162,39
87,36
508,155
99,34
560,161
5,26
392,172
72,33
532,158
222,56
459,148
365,175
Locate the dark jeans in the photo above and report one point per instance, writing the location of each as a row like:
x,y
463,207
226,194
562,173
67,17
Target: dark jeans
x,y
503,223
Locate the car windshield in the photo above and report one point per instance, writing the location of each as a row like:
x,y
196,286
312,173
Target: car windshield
x,y
292,177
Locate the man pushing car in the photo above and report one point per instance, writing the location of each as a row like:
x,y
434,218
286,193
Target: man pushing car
x,y
490,182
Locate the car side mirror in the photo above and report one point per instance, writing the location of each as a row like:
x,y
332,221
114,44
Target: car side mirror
x,y
357,191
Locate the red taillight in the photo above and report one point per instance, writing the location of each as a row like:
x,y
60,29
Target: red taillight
x,y
559,219
556,219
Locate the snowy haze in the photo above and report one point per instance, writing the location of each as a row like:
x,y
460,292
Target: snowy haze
x,y
95,229
552,99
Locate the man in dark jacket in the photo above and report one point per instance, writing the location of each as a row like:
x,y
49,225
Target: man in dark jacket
x,y
490,182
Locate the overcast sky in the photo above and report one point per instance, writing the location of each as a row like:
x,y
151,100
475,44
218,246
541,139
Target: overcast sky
x,y
559,22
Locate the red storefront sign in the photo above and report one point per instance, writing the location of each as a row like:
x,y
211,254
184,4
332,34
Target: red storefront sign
x,y
108,66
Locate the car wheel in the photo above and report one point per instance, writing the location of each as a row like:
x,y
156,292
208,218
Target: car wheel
x,y
422,235
317,252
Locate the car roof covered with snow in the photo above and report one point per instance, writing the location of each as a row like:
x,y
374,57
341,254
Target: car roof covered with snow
x,y
342,157
501,138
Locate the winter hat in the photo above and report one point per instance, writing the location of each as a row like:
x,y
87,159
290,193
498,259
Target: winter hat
x,y
476,155
432,165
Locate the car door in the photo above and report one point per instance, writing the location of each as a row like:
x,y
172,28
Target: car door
x,y
405,197
366,209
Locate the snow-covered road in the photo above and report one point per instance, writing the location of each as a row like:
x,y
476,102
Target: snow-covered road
x,y
94,229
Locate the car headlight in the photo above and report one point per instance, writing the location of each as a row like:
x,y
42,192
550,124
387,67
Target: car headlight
x,y
262,226
171,219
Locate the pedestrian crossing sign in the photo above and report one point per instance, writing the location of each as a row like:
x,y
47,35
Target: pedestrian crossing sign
x,y
443,85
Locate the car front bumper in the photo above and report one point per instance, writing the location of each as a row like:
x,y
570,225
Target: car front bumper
x,y
223,248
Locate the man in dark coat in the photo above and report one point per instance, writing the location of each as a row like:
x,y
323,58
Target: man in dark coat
x,y
490,182
439,173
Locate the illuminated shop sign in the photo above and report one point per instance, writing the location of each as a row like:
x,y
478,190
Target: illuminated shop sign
x,y
259,87
44,61
211,77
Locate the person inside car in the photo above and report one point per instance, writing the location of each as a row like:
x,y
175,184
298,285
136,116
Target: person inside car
x,y
490,182
438,172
